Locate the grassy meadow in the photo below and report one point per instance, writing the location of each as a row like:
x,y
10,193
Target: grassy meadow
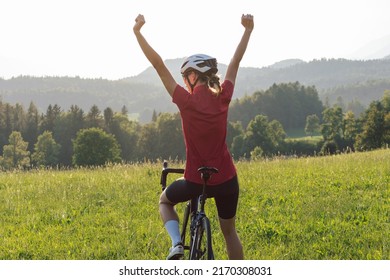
x,y
335,207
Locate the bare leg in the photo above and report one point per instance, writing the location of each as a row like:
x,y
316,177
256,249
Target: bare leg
x,y
167,210
171,224
233,243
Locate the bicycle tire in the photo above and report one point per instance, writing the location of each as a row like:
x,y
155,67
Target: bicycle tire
x,y
202,248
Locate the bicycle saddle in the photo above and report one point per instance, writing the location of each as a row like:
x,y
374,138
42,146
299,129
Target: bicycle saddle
x,y
206,172
207,169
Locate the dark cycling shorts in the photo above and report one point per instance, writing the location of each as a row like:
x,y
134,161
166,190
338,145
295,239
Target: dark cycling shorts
x,y
225,195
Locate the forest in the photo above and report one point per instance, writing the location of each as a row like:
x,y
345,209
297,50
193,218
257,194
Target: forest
x,y
259,126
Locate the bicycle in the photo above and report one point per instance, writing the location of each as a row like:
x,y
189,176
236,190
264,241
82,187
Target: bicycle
x,y
200,243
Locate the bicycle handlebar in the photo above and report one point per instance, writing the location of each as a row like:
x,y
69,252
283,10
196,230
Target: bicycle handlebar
x,y
205,171
166,171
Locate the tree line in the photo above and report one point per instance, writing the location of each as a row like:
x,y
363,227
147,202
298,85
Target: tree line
x,y
62,138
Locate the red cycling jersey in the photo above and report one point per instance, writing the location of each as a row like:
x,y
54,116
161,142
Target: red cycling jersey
x,y
204,121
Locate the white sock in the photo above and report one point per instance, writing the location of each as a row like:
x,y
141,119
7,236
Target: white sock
x,y
172,226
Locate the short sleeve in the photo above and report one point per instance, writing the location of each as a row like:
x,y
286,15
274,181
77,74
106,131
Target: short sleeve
x,y
227,90
180,96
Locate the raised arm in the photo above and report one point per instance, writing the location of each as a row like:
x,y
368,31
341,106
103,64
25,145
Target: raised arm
x,y
153,57
231,72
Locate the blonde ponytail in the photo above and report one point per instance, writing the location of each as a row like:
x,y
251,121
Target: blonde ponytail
x,y
214,84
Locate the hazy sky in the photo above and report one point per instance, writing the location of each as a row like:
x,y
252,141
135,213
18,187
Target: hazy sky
x,y
93,38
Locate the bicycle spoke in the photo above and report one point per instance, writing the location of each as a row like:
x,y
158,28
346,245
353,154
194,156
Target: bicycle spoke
x,y
202,247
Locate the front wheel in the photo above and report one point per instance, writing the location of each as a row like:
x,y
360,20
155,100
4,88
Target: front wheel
x,y
202,245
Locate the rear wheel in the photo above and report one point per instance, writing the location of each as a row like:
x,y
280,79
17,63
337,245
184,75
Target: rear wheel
x,y
184,229
202,245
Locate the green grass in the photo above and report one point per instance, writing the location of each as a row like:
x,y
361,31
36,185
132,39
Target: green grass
x,y
300,133
334,207
309,139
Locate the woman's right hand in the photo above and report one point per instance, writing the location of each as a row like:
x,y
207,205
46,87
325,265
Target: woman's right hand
x,y
139,22
247,21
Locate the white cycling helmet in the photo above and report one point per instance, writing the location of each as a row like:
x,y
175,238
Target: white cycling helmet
x,y
199,62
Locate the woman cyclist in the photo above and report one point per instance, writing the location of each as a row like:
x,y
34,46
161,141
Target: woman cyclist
x,y
203,107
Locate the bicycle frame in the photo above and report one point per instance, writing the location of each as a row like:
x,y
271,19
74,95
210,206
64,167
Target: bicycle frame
x,y
194,211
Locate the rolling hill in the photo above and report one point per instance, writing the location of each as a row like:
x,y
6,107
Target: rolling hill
x,y
144,93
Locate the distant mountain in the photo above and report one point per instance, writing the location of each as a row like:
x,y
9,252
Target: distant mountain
x,y
144,93
376,49
139,98
323,74
286,63
150,76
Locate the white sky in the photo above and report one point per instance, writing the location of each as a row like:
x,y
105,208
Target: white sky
x,y
93,38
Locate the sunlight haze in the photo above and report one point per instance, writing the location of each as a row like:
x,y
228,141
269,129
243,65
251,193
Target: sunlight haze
x,y
94,39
